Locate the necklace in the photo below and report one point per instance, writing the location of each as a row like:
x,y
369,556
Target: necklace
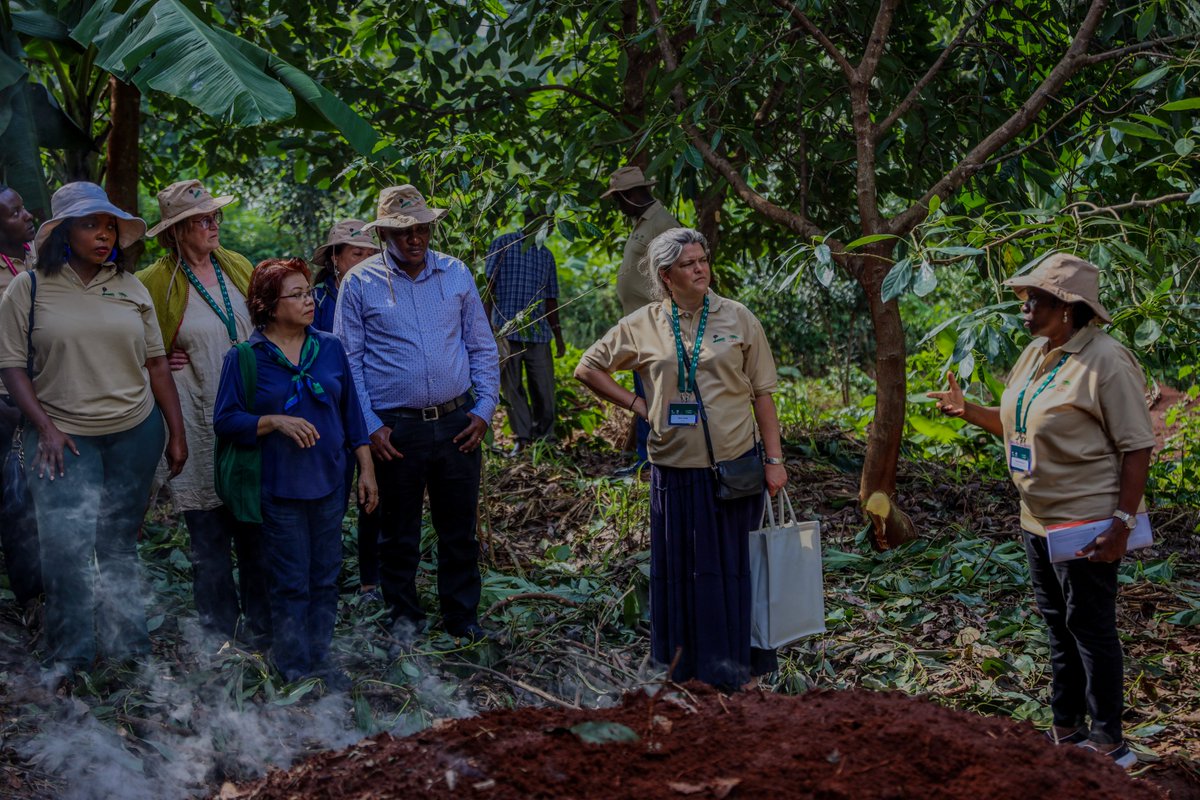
x,y
228,317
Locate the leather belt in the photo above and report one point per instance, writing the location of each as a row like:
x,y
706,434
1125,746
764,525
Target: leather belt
x,y
429,413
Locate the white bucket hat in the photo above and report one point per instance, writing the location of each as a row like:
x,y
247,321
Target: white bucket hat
x,y
81,198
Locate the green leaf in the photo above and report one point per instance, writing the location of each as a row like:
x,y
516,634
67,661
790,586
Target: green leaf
x,y
874,237
896,282
935,203
938,431
926,280
956,250
825,274
1194,198
1190,104
1147,333
1137,129
1150,78
1145,20
1185,146
693,157
600,732
823,253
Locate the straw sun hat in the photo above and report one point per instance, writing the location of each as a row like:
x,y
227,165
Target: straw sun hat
x,y
185,199
403,207
350,232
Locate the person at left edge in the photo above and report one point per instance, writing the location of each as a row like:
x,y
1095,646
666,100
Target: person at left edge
x,y
312,422
96,405
199,291
18,532
427,372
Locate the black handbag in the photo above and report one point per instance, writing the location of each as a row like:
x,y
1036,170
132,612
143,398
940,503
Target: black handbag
x,y
13,479
738,477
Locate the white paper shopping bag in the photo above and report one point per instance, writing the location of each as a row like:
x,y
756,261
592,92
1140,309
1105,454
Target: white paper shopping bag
x,y
785,576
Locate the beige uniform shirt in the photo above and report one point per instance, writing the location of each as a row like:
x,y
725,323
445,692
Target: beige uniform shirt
x,y
735,367
1078,427
90,345
633,289
6,277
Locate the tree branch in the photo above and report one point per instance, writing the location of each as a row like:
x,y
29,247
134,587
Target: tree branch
x,y
838,57
1177,197
879,34
1072,61
1109,55
911,98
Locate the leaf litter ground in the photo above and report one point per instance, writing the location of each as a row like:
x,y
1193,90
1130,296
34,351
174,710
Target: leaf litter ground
x,y
949,617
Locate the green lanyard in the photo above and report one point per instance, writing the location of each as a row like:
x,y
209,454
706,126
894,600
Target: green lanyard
x,y
1023,422
228,318
687,375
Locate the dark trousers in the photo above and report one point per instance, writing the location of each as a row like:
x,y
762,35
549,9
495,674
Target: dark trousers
x,y
88,521
368,547
302,551
529,367
643,426
1078,600
433,462
215,535
18,532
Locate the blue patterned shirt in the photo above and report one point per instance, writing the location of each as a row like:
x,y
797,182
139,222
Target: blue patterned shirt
x,y
416,342
521,279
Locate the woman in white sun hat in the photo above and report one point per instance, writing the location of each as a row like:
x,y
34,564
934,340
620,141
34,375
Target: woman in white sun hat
x,y
82,356
199,290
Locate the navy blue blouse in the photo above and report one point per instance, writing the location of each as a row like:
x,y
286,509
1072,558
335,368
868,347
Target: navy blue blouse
x,y
288,470
325,299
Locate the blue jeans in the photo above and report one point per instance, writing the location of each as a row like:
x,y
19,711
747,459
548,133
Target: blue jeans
x,y
302,554
88,522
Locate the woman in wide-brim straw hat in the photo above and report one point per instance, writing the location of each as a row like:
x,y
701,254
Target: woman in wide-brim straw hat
x,y
1077,439
90,376
199,289
347,245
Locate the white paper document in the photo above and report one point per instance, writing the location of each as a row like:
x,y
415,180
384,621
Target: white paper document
x,y
1064,541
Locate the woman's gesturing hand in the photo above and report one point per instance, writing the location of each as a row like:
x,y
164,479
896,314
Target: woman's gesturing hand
x,y
299,430
950,402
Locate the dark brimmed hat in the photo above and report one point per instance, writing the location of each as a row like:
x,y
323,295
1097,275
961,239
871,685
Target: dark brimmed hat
x,y
81,198
350,232
626,178
403,207
1067,277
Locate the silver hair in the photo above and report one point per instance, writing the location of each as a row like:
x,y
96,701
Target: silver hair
x,y
663,251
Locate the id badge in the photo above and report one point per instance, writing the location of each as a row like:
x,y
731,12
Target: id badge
x,y
683,413
1020,457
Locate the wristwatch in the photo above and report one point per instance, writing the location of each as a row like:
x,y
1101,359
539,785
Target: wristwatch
x,y
769,460
1125,517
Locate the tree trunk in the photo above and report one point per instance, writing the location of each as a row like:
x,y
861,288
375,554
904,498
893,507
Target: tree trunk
x,y
121,158
877,488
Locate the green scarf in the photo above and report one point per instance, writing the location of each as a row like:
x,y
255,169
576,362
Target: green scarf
x,y
169,287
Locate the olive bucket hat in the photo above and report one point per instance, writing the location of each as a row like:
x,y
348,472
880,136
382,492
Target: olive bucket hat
x,y
1067,277
350,232
185,199
403,207
626,178
80,199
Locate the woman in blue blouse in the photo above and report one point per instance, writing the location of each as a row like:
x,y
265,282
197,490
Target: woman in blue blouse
x,y
347,245
312,424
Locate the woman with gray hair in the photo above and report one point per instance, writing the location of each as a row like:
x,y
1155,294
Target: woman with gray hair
x,y
709,375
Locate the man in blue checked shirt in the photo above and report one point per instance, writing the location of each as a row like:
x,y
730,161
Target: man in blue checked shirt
x,y
523,306
425,365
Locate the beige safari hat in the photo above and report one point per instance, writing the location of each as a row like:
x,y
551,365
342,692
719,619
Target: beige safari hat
x,y
81,198
1067,277
403,207
185,199
626,178
350,232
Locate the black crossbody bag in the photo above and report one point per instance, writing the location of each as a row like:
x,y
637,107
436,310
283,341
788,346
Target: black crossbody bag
x,y
736,478
15,495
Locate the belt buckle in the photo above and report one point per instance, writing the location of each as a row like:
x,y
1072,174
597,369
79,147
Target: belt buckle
x,y
430,414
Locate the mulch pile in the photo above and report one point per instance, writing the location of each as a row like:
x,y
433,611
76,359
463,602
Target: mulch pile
x,y
695,743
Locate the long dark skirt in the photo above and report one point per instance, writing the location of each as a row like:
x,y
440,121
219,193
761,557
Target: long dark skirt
x,y
700,579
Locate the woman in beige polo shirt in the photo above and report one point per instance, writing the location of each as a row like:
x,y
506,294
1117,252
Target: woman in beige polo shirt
x,y
199,290
92,383
1078,439
699,545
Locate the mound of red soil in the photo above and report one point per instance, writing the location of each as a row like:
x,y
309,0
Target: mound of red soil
x,y
854,745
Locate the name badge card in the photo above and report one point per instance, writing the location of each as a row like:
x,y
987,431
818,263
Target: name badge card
x,y
683,413
1020,457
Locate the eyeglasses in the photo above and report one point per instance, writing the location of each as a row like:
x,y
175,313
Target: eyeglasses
x,y
210,221
301,296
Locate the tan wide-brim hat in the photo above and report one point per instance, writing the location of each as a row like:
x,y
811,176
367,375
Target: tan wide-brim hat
x,y
1067,277
403,207
350,232
626,178
79,199
185,199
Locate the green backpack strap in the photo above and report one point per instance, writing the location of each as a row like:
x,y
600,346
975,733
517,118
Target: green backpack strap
x,y
249,368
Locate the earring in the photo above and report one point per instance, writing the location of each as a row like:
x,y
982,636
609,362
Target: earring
x,y
1066,317
67,252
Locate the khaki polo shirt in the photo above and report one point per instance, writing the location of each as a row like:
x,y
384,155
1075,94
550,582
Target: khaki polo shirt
x,y
6,277
735,367
1093,411
90,345
633,289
